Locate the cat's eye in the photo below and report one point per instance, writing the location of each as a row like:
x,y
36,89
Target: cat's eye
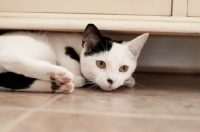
x,y
101,64
123,68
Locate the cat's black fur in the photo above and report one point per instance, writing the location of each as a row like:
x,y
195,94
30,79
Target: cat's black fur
x,y
72,53
15,81
95,42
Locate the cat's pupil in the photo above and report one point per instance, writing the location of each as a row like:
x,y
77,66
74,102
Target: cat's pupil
x,y
101,63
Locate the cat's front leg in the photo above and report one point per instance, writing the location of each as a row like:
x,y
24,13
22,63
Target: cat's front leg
x,y
60,77
130,82
46,86
33,68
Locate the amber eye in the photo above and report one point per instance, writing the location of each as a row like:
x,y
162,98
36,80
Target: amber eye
x,y
123,68
101,64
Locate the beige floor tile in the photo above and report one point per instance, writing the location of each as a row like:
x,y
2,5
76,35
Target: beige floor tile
x,y
171,95
59,122
8,115
23,99
157,103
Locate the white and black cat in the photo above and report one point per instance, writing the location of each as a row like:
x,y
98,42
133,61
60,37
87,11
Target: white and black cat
x,y
58,62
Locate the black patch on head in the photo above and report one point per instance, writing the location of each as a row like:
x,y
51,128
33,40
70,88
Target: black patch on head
x,y
105,44
94,42
72,53
15,81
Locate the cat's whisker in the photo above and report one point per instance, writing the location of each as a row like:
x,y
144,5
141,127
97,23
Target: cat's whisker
x,y
90,87
122,88
96,86
141,85
89,83
133,88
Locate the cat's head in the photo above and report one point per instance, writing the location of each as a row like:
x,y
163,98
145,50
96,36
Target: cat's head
x,y
106,62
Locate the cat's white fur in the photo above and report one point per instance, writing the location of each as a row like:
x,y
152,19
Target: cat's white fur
x,y
41,55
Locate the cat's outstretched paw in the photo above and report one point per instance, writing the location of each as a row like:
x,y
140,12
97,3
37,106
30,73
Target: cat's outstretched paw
x,y
130,82
78,81
62,82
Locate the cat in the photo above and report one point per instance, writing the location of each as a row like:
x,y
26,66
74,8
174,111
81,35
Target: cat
x,y
58,62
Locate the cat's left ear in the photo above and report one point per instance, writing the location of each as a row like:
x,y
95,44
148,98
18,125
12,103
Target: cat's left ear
x,y
137,44
91,36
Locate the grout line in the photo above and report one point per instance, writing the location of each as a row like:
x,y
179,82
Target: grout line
x,y
17,120
15,107
28,113
135,115
129,115
50,101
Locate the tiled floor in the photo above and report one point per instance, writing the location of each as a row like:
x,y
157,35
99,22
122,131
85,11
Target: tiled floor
x,y
169,103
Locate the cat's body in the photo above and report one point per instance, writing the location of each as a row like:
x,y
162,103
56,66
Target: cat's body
x,y
50,61
33,54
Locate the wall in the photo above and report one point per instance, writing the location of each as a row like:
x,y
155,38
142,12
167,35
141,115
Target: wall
x,y
168,54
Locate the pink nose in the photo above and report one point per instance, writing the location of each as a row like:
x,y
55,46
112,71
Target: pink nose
x,y
110,81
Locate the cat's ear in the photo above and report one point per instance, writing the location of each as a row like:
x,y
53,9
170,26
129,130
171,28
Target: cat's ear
x,y
137,44
91,36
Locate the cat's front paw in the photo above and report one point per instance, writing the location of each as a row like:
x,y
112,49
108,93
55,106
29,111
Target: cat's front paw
x,y
130,82
62,82
78,81
62,75
65,88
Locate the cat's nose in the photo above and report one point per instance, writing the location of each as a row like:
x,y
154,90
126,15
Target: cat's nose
x,y
110,81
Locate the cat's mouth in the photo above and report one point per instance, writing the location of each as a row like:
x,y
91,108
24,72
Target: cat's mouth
x,y
93,85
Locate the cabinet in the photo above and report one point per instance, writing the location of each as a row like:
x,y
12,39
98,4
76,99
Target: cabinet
x,y
171,17
130,7
194,8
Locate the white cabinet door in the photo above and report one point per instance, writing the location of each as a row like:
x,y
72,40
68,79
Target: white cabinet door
x,y
130,7
194,8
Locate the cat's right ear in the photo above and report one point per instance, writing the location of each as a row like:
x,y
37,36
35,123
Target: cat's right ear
x,y
137,44
91,36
